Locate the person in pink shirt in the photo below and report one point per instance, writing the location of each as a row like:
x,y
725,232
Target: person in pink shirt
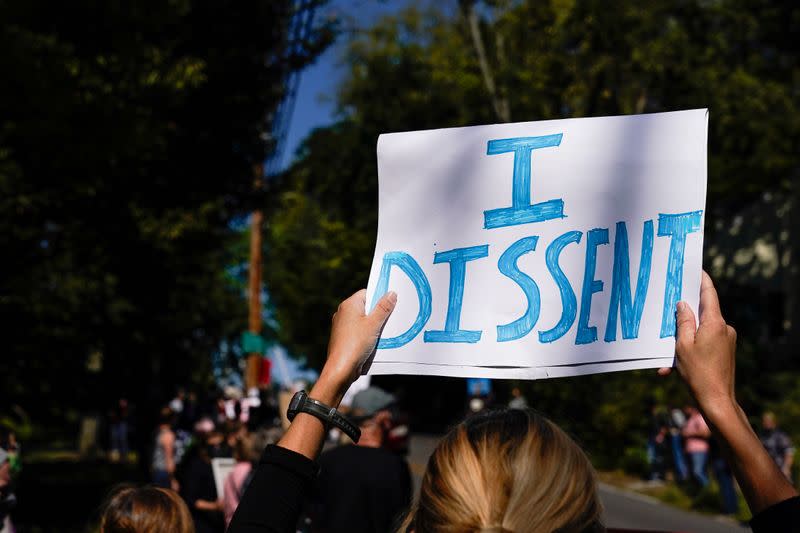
x,y
237,480
246,452
696,434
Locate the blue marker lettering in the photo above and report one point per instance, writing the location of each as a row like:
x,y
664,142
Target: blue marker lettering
x,y
521,210
594,238
677,226
458,270
507,264
407,264
631,312
569,303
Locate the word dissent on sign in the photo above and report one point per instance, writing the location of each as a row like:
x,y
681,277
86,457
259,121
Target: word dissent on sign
x,y
539,249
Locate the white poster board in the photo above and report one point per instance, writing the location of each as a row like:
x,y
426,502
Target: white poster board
x,y
221,468
539,249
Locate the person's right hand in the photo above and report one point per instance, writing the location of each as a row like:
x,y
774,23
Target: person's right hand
x,y
354,336
706,355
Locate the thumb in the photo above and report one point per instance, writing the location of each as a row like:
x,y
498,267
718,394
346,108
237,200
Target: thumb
x,y
384,307
686,326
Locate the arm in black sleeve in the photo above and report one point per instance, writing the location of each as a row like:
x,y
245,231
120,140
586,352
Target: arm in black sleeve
x,y
274,499
783,516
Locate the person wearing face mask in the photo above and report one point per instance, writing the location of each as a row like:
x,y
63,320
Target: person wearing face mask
x,y
363,487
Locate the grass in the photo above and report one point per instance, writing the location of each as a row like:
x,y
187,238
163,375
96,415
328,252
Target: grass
x,y
707,500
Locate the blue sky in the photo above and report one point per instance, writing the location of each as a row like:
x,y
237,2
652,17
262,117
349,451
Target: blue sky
x,y
316,94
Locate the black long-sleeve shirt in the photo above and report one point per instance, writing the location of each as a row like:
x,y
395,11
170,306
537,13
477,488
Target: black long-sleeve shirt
x,y
274,499
361,489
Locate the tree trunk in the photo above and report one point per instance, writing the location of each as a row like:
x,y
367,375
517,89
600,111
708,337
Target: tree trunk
x,y
500,105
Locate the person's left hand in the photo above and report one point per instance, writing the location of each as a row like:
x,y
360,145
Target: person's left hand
x,y
354,336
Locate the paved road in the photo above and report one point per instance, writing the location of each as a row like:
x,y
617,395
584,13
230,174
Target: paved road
x,y
623,509
630,510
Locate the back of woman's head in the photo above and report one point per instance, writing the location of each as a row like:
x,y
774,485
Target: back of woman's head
x,y
503,471
145,510
244,448
166,416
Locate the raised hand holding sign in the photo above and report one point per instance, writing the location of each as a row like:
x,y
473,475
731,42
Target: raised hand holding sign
x,y
535,288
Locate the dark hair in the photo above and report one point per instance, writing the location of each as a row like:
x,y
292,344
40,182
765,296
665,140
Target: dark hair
x,y
166,416
145,510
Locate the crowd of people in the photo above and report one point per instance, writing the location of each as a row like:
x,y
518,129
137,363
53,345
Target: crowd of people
x,y
681,446
362,486
190,436
500,470
205,453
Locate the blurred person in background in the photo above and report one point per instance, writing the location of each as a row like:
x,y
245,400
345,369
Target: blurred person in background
x,y
163,463
363,487
696,435
722,471
233,403
220,411
203,426
10,467
265,413
145,510
7,498
246,451
197,486
479,394
676,422
12,446
190,413
518,401
658,444
118,430
777,443
233,431
176,404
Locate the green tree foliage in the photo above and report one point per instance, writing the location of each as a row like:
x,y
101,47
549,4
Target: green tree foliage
x,y
128,135
545,60
408,72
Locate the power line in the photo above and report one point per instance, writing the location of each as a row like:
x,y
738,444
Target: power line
x,y
300,29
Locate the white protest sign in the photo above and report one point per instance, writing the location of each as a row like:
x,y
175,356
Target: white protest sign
x,y
539,249
221,467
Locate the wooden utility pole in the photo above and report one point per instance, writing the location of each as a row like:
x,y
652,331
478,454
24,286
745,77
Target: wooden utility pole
x,y
254,284
300,31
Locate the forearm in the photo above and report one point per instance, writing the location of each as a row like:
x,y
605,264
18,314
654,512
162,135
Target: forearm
x,y
761,481
306,434
275,496
205,505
